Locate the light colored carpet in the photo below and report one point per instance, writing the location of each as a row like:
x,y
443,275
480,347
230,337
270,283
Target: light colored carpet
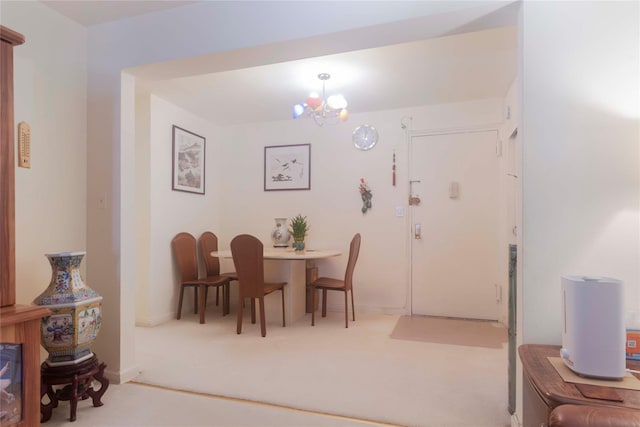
x,y
475,333
140,405
358,372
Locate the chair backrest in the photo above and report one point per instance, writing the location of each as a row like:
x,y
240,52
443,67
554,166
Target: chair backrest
x,y
209,243
354,250
248,258
185,252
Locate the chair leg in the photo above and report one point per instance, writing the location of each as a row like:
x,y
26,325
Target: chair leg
x,y
226,295
263,326
224,311
253,310
180,303
353,307
195,299
225,299
346,311
202,290
284,323
324,303
240,313
218,295
313,306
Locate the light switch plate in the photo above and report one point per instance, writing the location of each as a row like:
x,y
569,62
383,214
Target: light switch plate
x,y
454,190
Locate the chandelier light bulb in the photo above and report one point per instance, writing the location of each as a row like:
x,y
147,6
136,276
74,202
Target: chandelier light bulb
x,y
298,110
314,102
337,102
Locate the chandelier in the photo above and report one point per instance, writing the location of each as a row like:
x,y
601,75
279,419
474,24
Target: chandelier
x,y
322,109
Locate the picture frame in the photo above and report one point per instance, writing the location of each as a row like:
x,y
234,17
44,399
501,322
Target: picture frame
x,y
287,167
188,161
11,387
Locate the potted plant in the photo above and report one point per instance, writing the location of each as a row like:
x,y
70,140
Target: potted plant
x,y
299,228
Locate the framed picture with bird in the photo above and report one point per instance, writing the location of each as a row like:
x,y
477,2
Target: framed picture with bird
x,y
287,167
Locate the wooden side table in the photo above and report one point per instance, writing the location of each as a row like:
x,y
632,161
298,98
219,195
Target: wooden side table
x,y
544,388
78,384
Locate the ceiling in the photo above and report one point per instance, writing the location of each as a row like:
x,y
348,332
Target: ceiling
x,y
448,69
92,12
453,68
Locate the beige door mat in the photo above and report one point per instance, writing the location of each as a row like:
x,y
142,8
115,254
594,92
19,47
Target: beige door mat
x,y
443,330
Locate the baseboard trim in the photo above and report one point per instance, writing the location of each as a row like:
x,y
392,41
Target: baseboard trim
x,y
149,322
270,405
515,421
339,308
121,377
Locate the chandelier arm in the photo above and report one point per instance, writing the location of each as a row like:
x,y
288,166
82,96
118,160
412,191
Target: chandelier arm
x,y
318,119
324,97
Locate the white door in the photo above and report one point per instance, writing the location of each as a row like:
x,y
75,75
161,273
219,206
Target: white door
x,y
455,250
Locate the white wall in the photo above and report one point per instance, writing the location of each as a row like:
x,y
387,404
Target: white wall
x,y
143,287
580,149
50,77
174,211
579,128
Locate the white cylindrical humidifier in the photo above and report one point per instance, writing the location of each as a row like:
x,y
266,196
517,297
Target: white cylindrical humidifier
x,y
593,335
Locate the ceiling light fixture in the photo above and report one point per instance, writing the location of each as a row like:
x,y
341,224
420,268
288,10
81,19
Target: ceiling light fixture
x,y
322,109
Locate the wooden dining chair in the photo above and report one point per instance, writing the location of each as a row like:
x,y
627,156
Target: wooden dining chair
x,y
247,252
186,255
346,285
208,243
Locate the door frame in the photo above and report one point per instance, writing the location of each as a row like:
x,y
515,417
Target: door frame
x,y
411,134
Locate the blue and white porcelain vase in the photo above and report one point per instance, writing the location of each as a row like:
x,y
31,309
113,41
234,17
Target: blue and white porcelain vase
x,y
280,233
76,311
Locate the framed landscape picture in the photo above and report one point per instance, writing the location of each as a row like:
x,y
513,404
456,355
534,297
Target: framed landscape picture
x,y
287,167
188,161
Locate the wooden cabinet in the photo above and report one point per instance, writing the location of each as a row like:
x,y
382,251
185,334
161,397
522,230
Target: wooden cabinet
x,y
19,324
9,39
544,389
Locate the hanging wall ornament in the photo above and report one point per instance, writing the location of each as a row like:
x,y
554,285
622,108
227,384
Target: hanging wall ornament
x,y
366,195
393,169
